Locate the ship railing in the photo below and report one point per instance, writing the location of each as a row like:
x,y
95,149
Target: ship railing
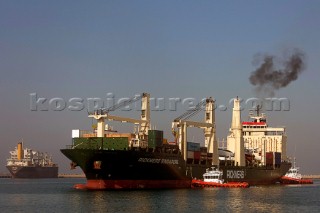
x,y
87,146
69,146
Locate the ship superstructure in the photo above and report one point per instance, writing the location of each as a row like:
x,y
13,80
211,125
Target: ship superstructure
x,y
28,163
268,145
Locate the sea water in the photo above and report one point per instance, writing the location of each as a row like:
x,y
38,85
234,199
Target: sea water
x,y
57,195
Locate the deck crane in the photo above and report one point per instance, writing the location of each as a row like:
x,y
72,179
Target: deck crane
x,y
144,123
208,126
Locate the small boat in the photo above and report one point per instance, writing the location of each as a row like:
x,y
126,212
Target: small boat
x,y
294,177
213,178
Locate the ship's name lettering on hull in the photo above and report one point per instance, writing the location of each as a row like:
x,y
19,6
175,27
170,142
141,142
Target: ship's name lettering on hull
x,y
158,160
235,174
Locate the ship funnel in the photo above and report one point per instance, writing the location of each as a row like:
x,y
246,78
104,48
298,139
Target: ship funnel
x,y
20,151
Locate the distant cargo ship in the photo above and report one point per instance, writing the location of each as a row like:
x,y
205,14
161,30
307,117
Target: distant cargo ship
x,y
145,159
27,163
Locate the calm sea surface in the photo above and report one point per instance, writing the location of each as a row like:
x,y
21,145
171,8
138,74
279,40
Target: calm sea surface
x,y
57,195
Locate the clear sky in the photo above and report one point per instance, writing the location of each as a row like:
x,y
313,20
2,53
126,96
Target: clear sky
x,y
182,49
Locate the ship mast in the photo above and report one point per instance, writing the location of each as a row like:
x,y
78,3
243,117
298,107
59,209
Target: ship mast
x,y
235,141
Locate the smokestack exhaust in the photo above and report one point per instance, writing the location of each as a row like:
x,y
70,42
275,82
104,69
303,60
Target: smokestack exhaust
x,y
268,77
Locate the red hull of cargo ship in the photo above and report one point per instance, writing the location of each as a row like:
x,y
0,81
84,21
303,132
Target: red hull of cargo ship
x,y
133,184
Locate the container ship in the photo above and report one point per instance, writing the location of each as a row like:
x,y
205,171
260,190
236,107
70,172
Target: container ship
x,y
27,163
144,159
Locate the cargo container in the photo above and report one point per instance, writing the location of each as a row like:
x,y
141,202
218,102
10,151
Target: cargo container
x,y
269,158
117,143
155,134
277,158
203,149
191,146
197,155
120,135
165,141
203,158
155,138
203,155
190,154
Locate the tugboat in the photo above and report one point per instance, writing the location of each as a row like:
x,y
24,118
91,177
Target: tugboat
x,y
294,177
213,178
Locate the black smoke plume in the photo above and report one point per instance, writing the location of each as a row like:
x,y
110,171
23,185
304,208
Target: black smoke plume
x,y
275,73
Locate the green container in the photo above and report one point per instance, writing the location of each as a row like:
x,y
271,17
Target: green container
x,y
117,143
155,138
86,143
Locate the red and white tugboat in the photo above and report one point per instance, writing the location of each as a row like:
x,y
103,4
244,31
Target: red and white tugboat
x,y
213,178
294,177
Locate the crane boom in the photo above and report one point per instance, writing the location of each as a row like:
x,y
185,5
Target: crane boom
x,y
123,119
103,114
191,112
208,125
124,103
